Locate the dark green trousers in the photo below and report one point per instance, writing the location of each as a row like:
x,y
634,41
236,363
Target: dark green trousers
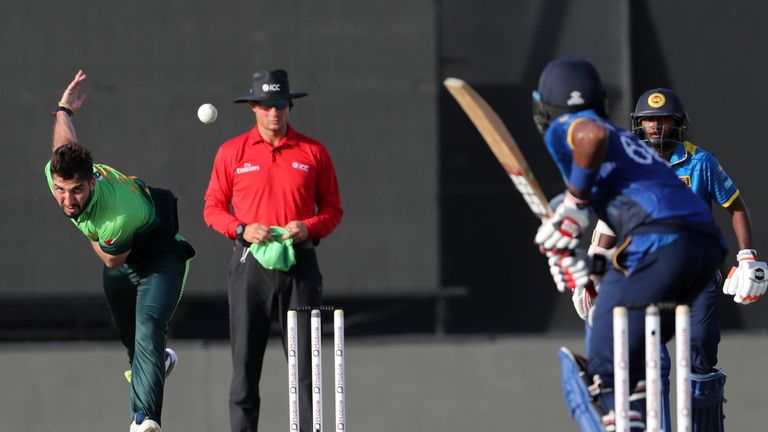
x,y
142,298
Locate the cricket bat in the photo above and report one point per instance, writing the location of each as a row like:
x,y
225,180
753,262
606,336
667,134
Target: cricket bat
x,y
502,144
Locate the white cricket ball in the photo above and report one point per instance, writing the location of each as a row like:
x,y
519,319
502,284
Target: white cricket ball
x,y
207,113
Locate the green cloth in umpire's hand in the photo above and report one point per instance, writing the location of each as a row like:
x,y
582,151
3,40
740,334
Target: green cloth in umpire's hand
x,y
277,254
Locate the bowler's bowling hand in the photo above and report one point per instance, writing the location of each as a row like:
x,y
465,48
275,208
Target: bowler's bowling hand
x,y
72,97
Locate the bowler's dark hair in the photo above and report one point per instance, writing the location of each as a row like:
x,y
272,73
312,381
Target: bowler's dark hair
x,y
72,161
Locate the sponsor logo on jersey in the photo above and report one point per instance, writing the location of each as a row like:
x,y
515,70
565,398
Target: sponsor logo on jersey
x,y
300,166
656,100
109,241
247,167
686,180
575,99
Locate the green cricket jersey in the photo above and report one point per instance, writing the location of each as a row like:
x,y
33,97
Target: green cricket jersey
x,y
120,207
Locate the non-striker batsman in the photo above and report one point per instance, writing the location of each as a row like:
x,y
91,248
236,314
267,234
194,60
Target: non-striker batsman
x,y
661,121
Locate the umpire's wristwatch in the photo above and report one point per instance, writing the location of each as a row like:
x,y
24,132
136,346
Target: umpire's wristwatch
x,y
239,231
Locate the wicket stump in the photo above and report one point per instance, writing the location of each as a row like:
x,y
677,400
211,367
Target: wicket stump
x,y
316,344
652,367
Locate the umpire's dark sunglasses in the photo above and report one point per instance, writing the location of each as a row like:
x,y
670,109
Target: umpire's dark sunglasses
x,y
280,104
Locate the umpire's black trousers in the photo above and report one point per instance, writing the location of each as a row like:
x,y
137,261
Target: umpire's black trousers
x,y
255,293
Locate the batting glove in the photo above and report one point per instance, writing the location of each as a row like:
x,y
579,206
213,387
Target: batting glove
x,y
747,282
571,271
563,230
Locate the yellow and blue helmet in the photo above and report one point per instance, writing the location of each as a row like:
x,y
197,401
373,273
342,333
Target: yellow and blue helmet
x,y
660,103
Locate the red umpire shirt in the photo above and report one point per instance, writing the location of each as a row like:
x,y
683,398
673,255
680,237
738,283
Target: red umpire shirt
x,y
295,180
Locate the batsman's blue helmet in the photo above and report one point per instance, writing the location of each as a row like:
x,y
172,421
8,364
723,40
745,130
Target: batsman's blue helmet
x,y
568,85
660,102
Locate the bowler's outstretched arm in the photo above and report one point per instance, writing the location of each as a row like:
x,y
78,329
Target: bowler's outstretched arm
x,y
72,99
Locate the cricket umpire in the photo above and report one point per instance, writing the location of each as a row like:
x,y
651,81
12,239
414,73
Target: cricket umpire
x,y
282,190
133,229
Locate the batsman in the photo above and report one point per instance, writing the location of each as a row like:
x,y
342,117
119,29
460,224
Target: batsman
x,y
133,229
611,173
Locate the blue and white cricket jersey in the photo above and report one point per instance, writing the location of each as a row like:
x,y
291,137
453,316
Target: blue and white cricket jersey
x,y
635,186
702,172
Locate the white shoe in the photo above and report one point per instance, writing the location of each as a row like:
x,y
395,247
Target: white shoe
x,y
170,358
170,361
146,425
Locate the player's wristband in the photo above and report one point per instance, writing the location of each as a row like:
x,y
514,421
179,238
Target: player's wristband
x,y
576,201
582,178
67,108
